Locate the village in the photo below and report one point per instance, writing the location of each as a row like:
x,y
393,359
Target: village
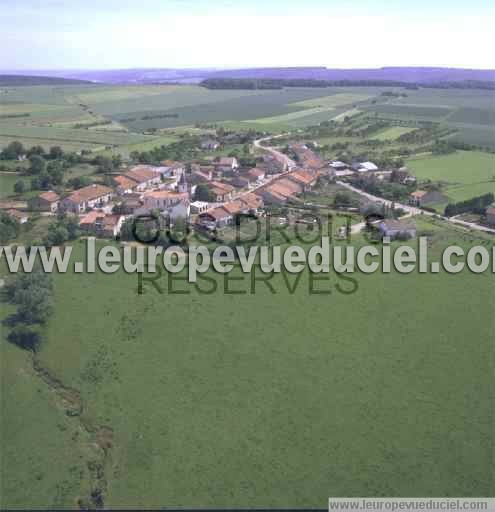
x,y
247,256
210,195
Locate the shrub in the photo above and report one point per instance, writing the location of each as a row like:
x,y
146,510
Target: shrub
x,y
24,338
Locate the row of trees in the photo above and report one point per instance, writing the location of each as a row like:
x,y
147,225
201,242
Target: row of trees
x,y
267,83
16,150
32,294
390,191
476,205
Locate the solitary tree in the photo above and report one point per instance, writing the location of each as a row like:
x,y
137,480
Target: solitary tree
x,y
38,164
55,153
19,187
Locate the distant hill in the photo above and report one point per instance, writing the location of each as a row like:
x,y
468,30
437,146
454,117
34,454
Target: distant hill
x,y
124,76
24,80
412,75
395,74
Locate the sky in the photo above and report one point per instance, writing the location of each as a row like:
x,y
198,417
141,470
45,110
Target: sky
x,y
110,34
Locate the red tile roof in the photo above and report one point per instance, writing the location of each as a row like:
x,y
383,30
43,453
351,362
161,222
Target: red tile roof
x,y
167,194
141,174
219,213
233,207
16,213
418,194
251,200
88,193
50,196
220,188
90,218
125,182
255,173
302,177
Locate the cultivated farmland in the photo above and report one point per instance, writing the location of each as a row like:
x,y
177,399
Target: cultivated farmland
x,y
51,113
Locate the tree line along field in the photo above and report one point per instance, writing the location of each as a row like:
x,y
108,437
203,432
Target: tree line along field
x,y
241,400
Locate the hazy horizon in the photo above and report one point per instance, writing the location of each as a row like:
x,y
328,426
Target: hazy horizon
x,y
223,68
192,34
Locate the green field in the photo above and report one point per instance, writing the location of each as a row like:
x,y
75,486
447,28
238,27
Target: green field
x,y
7,182
335,100
126,149
392,133
466,174
257,400
314,111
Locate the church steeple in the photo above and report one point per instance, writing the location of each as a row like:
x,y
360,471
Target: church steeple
x,y
182,185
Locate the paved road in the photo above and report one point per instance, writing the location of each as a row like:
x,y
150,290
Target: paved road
x,y
277,154
288,161
412,210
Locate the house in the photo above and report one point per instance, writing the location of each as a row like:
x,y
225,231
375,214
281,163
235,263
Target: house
x,y
210,144
45,202
256,174
163,199
280,191
424,197
209,171
124,185
173,169
365,167
490,215
240,182
273,196
337,165
291,186
234,207
307,158
303,178
402,176
271,164
396,228
222,191
84,198
416,197
21,217
130,203
218,217
144,176
252,203
227,164
198,207
101,224
198,177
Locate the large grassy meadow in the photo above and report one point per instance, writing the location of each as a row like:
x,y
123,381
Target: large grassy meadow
x,y
260,400
465,174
